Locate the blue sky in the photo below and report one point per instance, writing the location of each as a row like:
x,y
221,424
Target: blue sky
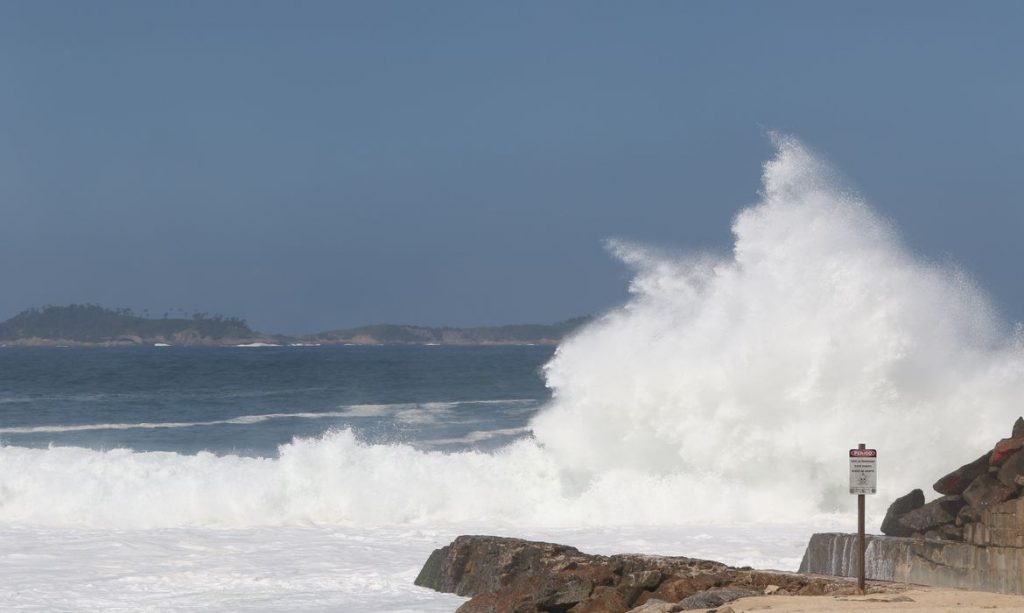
x,y
311,165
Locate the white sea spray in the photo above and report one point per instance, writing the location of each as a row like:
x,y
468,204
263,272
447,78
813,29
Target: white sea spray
x,y
726,389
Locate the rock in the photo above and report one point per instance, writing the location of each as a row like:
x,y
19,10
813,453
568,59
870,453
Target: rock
x,y
648,579
949,532
770,589
604,600
932,515
560,595
1004,448
957,481
725,609
675,590
476,564
1018,428
656,606
900,507
1012,468
986,491
511,575
967,515
715,597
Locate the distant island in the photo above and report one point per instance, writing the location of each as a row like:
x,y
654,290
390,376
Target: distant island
x,y
94,325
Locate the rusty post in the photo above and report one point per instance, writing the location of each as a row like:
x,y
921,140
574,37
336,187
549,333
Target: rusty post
x,y
861,546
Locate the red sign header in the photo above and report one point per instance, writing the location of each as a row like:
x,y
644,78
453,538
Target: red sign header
x,y
863,453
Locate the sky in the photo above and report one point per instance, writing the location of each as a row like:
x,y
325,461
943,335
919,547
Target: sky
x,y
316,165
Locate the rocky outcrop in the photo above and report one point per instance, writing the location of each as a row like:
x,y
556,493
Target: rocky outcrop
x,y
512,575
968,492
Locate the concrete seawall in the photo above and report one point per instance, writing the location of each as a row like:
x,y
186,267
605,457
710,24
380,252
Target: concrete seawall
x,y
907,560
990,558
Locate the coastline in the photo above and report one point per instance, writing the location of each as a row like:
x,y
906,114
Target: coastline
x,y
263,342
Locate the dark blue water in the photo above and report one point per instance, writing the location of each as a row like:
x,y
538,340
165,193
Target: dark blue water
x,y
159,399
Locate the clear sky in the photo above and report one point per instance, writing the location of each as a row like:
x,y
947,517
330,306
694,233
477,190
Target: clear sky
x,y
310,165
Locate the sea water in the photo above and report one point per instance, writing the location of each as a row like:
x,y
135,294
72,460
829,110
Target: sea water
x,y
709,416
287,478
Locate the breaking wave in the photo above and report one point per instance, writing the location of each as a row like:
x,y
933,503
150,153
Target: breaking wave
x,y
727,387
409,412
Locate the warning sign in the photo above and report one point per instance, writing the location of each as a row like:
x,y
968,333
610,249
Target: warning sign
x,y
863,464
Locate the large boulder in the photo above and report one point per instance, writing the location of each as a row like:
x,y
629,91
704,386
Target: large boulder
x,y
901,506
932,515
957,481
986,491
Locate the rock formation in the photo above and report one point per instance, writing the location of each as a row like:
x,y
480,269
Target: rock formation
x,y
968,493
511,575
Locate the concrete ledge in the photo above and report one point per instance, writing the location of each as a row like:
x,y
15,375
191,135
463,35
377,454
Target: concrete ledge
x,y
907,560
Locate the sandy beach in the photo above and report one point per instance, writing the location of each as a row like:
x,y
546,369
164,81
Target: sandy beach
x,y
914,598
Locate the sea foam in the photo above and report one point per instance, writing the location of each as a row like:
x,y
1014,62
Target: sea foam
x,y
728,388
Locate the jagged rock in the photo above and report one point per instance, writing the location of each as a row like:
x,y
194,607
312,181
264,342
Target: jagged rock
x,y
967,515
475,564
986,491
656,606
1004,448
1018,428
605,599
715,597
648,579
512,575
674,590
1011,469
560,595
932,515
957,481
900,507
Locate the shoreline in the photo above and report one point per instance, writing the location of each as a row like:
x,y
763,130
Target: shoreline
x,y
251,343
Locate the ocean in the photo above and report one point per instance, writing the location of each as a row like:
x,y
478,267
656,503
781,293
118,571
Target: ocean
x,y
709,416
300,478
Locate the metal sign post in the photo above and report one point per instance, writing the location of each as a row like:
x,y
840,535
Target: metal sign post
x,y
863,480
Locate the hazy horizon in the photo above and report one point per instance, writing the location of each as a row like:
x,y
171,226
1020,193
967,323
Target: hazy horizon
x,y
332,165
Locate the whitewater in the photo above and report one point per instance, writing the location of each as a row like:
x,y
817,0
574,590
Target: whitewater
x,y
708,416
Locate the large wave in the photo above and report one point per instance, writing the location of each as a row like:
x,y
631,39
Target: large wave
x,y
727,387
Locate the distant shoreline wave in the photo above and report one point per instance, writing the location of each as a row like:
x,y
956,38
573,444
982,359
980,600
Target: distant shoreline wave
x,y
403,411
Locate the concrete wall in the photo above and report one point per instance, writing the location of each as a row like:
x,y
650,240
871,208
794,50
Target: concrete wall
x,y
990,558
907,560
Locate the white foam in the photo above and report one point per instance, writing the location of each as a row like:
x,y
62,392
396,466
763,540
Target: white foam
x,y
727,388
405,412
478,436
310,568
749,376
